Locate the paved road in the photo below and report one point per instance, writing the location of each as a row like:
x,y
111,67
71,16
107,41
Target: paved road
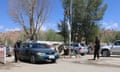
x,y
81,64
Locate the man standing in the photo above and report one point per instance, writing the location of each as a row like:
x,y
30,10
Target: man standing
x,y
96,48
16,46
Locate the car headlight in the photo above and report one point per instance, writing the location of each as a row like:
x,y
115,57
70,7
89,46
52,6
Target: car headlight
x,y
39,53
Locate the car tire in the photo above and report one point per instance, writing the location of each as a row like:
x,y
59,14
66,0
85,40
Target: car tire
x,y
21,58
9,55
32,59
105,53
82,54
54,61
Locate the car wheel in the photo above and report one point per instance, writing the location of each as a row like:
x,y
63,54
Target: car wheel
x,y
9,55
20,58
105,53
32,59
82,54
54,61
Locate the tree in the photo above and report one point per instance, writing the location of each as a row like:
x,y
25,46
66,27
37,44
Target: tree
x,y
85,16
42,35
63,27
117,36
22,36
53,36
30,14
59,38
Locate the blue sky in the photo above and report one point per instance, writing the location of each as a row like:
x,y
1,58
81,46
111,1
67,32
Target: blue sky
x,y
111,19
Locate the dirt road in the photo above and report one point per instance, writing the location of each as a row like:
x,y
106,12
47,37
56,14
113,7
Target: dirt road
x,y
84,64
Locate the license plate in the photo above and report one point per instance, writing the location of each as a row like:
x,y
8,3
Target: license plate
x,y
51,57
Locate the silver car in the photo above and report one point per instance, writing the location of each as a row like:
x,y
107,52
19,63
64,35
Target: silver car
x,y
112,49
79,48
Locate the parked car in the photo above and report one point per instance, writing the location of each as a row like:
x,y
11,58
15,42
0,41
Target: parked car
x,y
79,48
113,48
36,52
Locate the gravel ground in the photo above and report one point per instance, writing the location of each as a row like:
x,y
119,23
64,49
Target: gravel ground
x,y
82,63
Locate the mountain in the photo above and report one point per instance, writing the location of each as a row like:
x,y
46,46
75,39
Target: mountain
x,y
9,37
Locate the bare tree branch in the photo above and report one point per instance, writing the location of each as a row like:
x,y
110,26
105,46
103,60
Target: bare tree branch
x,y
30,14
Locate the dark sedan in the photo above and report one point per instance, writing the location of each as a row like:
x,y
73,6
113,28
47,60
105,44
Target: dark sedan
x,y
36,52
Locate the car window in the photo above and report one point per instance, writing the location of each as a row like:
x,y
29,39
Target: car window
x,y
82,44
24,45
117,43
38,45
74,45
35,45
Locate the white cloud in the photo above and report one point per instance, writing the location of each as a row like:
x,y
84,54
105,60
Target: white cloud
x,y
110,26
1,27
13,29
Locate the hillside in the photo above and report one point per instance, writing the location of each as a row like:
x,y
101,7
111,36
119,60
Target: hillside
x,y
9,37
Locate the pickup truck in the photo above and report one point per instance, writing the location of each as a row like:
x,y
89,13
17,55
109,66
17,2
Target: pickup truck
x,y
112,49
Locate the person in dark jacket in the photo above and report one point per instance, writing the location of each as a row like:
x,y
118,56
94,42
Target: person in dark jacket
x,y
96,48
16,46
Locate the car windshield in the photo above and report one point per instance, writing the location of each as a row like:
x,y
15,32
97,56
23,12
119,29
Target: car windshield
x,y
77,44
36,45
74,45
82,44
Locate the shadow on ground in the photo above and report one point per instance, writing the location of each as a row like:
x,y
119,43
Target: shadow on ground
x,y
37,63
115,56
95,63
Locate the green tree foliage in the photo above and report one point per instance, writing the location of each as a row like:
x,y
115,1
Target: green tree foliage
x,y
117,36
59,38
49,35
91,32
42,35
85,17
63,27
1,41
53,36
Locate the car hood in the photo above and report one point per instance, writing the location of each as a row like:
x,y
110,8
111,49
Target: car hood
x,y
106,47
45,50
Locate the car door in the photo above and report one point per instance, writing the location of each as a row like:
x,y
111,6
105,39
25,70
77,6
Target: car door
x,y
116,47
23,51
26,51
